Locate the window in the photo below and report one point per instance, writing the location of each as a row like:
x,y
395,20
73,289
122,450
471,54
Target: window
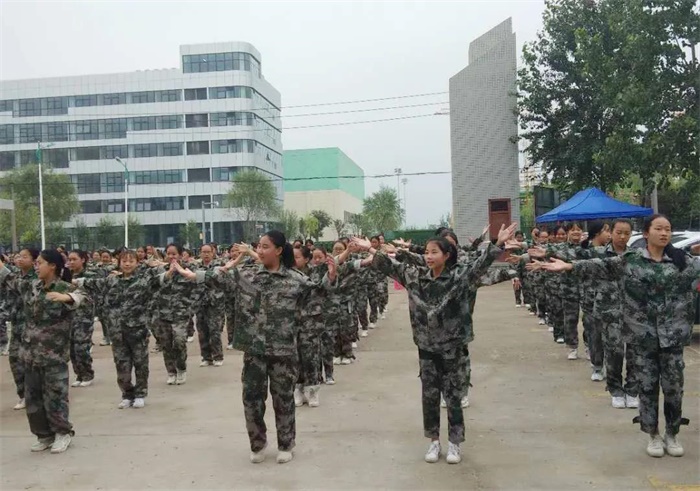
x,y
87,183
197,148
57,132
7,134
224,173
233,92
156,177
169,95
27,157
169,122
111,152
29,133
6,106
54,105
113,99
87,130
57,157
218,62
196,120
147,150
195,202
144,124
171,149
198,175
499,205
29,107
85,100
112,182
157,204
143,97
91,206
196,94
87,153
232,119
7,161
115,206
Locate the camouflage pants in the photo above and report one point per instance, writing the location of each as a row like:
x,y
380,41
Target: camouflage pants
x,y
374,307
327,346
173,340
3,328
280,373
518,295
190,327
104,322
80,345
616,354
383,294
571,312
46,395
309,349
230,328
441,374
467,360
16,364
660,366
556,315
130,352
210,324
528,295
360,304
346,332
593,329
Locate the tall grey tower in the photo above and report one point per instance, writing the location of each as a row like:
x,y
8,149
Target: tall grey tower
x,y
483,127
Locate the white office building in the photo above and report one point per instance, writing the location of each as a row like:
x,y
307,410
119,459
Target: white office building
x,y
182,132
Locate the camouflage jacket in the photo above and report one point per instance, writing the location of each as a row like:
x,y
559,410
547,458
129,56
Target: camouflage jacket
x,y
657,298
15,303
86,311
176,298
128,300
46,335
569,282
267,303
439,308
211,298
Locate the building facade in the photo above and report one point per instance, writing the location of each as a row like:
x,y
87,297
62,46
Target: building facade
x,y
323,179
183,134
483,131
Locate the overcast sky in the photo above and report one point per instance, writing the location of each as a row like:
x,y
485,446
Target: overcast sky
x,y
312,52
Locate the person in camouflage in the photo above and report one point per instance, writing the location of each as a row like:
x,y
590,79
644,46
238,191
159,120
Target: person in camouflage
x,y
47,303
375,282
210,314
657,304
346,322
439,306
268,296
105,267
230,304
361,285
82,324
331,313
129,290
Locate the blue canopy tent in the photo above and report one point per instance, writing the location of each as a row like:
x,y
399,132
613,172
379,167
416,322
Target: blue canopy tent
x,y
593,204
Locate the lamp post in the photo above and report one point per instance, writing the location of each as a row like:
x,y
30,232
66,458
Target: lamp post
x,y
204,222
39,158
126,201
398,173
405,203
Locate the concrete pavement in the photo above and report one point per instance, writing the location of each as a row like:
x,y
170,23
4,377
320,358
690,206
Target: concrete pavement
x,y
536,422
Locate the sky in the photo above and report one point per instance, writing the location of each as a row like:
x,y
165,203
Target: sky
x,y
312,52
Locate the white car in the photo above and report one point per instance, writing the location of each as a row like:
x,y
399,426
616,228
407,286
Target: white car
x,y
679,239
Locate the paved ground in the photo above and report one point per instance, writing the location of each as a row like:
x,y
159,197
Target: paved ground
x,y
536,422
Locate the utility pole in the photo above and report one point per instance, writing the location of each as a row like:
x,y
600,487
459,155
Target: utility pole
x,y
398,173
126,202
405,203
211,204
41,192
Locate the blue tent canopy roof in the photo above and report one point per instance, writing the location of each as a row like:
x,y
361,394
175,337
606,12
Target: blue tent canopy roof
x,y
592,204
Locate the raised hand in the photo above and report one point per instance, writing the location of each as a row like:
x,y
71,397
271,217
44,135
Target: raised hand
x,y
557,266
533,266
363,244
506,233
513,244
332,268
486,230
115,273
58,297
242,248
537,252
695,250
390,249
513,259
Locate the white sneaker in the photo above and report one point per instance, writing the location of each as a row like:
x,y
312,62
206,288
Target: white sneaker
x,y
258,457
86,383
541,322
573,354
364,333
171,379
75,384
190,339
588,354
298,396
124,404
61,443
284,456
443,403
454,454
139,402
383,316
517,306
465,401
336,360
618,402
205,363
597,376
560,340
104,342
330,381
229,347
550,328
42,444
5,351
372,325
346,361
673,446
20,405
631,402
655,447
527,305
218,363
181,377
532,313
433,453
354,345
311,395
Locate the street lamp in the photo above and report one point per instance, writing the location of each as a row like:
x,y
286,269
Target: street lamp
x,y
212,204
405,204
126,201
39,159
398,172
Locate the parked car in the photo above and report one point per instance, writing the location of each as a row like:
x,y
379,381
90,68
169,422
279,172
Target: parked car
x,y
637,240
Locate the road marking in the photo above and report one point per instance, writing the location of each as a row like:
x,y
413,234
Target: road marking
x,y
662,485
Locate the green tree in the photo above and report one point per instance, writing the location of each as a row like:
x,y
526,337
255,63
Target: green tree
x,y
60,204
107,233
289,224
136,232
311,226
255,197
383,210
360,224
340,227
82,235
190,233
324,221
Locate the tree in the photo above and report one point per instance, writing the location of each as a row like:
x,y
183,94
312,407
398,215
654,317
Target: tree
x,y
311,226
324,221
255,196
107,233
360,224
383,210
339,226
190,233
82,235
289,223
60,203
136,232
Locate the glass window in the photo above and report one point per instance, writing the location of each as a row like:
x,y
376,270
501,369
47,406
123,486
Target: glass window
x,y
27,157
57,132
198,175
85,100
54,105
113,99
196,120
87,130
91,206
169,95
195,94
113,151
87,153
195,202
114,128
6,106
224,173
30,133
87,183
7,134
169,122
112,182
143,97
7,161
197,148
171,149
57,157
143,124
29,107
147,150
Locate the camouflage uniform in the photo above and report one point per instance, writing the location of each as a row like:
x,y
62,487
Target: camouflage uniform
x,y
210,319
130,315
17,318
569,292
658,312
101,308
44,351
311,325
361,286
4,316
266,331
439,310
82,327
345,324
376,285
174,302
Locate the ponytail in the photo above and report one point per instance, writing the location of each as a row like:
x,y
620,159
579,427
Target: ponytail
x,y
279,240
678,256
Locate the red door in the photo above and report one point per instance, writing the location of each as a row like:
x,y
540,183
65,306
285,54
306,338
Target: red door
x,y
499,214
